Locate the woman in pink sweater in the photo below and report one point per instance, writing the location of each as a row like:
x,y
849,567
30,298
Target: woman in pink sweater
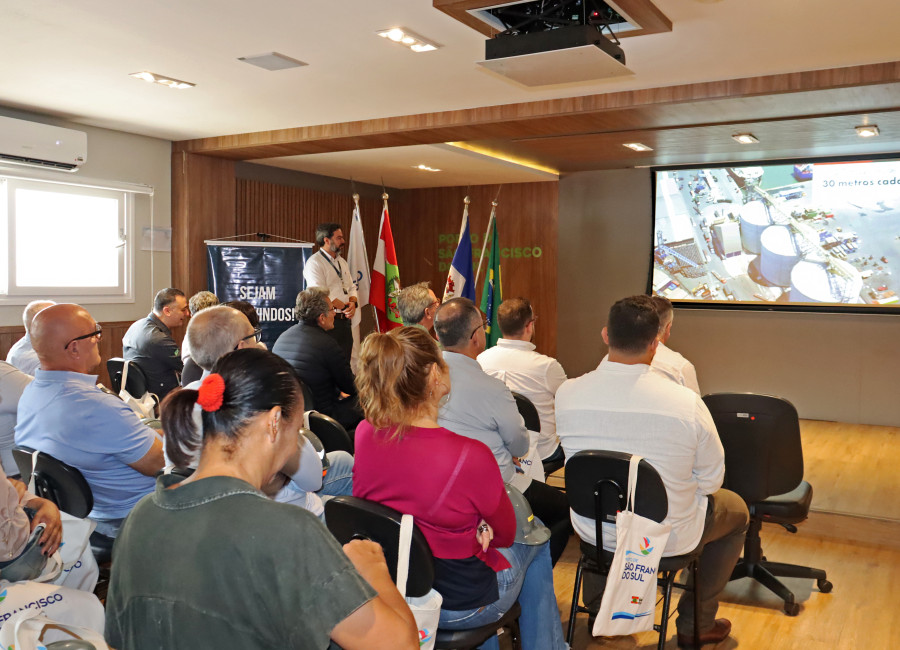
x,y
453,488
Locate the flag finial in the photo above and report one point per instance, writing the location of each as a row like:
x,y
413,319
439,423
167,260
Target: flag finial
x,y
466,200
385,196
494,203
355,197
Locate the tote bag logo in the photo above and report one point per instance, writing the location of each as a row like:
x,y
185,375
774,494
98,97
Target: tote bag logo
x,y
645,547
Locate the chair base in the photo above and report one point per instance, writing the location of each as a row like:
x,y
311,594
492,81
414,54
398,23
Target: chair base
x,y
765,573
472,638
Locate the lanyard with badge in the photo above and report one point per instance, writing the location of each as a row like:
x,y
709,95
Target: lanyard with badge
x,y
337,269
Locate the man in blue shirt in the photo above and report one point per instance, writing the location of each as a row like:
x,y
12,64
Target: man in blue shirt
x,y
65,414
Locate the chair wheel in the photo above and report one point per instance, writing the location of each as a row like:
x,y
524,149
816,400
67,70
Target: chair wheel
x,y
824,585
791,609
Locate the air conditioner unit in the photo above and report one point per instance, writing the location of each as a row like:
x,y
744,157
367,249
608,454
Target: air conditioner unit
x,y
31,144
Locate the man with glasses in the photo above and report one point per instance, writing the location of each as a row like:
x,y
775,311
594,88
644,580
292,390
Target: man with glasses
x,y
64,413
418,305
515,362
483,408
149,343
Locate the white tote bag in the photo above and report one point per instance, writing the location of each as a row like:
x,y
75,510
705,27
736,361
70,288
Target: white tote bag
x,y
27,607
426,609
145,405
629,600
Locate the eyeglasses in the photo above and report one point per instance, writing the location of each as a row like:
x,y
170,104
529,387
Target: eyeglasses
x,y
480,326
96,333
256,335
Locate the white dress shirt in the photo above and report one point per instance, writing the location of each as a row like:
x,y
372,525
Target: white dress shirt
x,y
323,270
534,375
671,364
631,409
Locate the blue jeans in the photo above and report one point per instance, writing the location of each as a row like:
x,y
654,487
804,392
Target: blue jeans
x,y
338,480
530,580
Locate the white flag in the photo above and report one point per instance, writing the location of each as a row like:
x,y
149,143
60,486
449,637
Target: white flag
x,y
358,261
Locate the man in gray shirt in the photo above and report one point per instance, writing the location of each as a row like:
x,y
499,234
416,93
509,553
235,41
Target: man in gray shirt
x,y
481,407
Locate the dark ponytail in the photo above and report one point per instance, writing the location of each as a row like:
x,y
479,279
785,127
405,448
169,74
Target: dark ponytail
x,y
255,381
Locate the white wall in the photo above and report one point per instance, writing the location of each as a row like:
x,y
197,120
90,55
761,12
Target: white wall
x,y
842,367
129,158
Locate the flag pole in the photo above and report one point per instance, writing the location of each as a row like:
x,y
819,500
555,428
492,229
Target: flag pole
x,y
384,198
484,241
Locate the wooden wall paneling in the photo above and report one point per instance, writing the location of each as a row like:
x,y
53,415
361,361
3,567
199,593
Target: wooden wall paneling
x,y
203,207
527,219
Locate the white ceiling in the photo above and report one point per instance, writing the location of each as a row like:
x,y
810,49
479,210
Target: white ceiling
x,y
72,59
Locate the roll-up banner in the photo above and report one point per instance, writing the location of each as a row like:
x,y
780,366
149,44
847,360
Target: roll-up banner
x,y
267,275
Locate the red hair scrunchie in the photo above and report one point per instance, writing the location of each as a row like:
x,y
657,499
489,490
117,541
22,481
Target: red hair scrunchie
x,y
211,392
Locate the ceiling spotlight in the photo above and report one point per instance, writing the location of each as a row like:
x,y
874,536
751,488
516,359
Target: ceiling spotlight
x,y
408,38
152,77
637,146
745,138
426,168
867,131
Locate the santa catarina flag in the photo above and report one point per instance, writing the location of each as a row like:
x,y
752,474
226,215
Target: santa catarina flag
x,y
461,279
385,278
491,294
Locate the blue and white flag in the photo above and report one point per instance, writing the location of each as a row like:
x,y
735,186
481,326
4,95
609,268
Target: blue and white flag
x,y
461,279
358,261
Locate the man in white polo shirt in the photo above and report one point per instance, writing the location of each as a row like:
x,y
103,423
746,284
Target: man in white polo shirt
x,y
625,406
515,362
667,361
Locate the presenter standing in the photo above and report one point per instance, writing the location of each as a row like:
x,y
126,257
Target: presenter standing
x,y
326,268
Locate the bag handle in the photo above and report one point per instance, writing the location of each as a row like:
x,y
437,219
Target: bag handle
x,y
124,376
403,551
51,573
632,480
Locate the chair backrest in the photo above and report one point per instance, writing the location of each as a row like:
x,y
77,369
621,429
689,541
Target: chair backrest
x,y
309,403
353,518
333,435
761,437
137,380
598,479
528,412
54,480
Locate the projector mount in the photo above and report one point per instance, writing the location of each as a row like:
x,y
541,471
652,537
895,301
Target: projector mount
x,y
547,15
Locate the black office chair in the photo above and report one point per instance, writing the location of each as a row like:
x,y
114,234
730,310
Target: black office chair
x,y
309,404
596,482
764,465
353,518
65,486
533,423
137,380
334,437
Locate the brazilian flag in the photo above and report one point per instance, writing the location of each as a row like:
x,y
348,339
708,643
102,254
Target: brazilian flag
x,y
491,294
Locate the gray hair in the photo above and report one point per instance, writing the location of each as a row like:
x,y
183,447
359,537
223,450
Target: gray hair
x,y
413,301
201,300
31,310
214,332
312,303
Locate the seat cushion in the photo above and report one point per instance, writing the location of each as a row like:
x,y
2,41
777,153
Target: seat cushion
x,y
788,508
472,638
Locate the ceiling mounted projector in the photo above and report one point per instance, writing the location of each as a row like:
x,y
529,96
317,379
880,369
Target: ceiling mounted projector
x,y
554,43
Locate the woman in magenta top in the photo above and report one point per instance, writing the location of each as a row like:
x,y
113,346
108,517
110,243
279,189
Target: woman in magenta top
x,y
452,487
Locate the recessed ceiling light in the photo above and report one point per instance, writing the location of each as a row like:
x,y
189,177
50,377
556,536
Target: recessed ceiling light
x,y
152,77
426,168
272,61
867,131
637,146
408,38
745,138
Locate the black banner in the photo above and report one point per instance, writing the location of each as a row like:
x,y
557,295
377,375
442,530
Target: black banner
x,y
267,275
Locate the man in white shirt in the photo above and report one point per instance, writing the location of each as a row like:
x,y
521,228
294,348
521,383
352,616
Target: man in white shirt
x,y
625,406
22,354
515,362
666,361
326,268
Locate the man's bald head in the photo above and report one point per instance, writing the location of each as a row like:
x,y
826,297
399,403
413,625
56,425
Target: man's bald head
x,y
60,334
31,310
216,331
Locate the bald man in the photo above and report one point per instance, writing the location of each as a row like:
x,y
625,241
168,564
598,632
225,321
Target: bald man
x,y
22,354
65,414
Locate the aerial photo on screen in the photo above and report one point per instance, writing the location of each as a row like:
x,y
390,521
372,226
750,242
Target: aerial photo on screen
x,y
788,234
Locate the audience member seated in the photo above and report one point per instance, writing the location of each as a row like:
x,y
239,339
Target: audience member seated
x,y
212,334
666,361
66,415
199,301
481,407
318,359
418,305
249,311
12,384
209,562
22,354
625,406
515,362
453,488
149,343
